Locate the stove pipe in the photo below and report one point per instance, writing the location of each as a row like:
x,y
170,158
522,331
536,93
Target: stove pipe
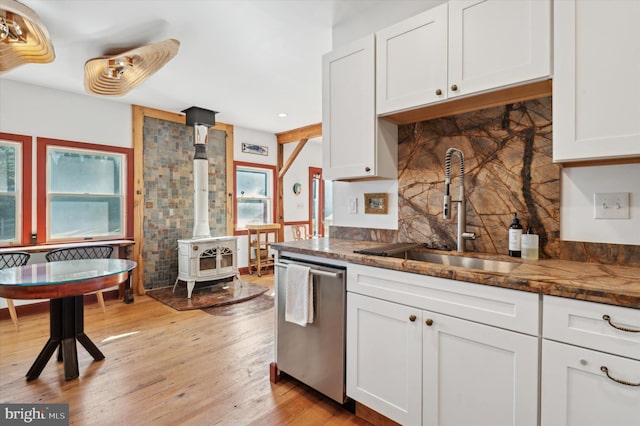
x,y
201,119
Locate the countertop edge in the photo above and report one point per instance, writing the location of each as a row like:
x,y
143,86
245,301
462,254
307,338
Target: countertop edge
x,y
612,285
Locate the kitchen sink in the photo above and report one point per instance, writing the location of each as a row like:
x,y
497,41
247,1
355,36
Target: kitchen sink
x,y
462,261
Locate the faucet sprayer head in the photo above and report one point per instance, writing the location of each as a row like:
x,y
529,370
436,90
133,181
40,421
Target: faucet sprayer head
x,y
446,207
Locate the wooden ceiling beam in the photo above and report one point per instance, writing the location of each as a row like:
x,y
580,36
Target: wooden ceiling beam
x,y
292,157
307,132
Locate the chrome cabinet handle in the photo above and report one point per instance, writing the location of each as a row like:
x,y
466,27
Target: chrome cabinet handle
x,y
607,318
605,370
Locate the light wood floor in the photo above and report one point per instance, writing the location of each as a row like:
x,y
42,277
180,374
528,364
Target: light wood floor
x,y
165,367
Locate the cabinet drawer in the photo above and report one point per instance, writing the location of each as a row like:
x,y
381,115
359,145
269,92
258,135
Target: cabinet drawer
x,y
500,307
578,391
592,325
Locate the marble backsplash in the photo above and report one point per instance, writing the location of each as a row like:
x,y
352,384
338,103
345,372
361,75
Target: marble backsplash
x,y
508,169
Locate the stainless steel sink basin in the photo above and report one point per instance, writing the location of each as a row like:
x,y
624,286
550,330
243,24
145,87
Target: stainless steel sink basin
x,y
462,261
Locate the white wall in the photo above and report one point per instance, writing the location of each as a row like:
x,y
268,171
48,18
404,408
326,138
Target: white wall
x,y
255,137
343,192
576,210
296,207
37,111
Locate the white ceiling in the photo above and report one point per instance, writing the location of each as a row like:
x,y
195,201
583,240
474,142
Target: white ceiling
x,y
247,59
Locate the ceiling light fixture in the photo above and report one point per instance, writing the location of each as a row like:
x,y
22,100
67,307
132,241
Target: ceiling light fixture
x,y
118,66
283,115
23,37
117,75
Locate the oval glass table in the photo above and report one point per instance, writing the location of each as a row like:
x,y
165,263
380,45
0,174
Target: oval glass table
x,y
65,283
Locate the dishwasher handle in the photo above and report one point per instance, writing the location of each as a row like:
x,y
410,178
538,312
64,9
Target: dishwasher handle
x,y
318,272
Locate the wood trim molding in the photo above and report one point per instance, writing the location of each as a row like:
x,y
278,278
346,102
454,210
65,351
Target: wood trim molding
x,y
176,117
26,143
307,132
473,102
230,180
280,192
603,162
137,275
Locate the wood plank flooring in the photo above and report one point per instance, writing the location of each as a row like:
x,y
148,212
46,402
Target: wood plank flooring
x,y
165,367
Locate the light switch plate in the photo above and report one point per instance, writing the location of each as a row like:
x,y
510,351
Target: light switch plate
x,y
353,205
611,205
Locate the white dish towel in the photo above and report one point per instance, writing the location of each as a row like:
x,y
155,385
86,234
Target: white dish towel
x,y
299,295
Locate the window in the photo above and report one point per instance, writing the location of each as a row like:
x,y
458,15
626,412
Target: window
x,y
85,192
255,187
15,189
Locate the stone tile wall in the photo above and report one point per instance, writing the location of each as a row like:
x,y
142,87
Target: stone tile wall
x,y
168,198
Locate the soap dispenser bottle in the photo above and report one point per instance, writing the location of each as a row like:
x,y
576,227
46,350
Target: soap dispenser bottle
x,y
515,237
529,245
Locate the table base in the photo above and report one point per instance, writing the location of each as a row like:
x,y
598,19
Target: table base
x,y
66,319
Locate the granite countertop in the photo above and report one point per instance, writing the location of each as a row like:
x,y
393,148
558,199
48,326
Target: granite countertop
x,y
616,285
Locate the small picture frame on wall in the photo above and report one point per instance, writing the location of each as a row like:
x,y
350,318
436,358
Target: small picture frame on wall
x,y
255,149
376,203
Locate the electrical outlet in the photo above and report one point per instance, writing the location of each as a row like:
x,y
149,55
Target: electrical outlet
x,y
353,205
612,205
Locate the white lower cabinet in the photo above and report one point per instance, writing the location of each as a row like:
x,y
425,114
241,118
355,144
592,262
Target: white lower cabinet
x,y
590,364
577,392
475,374
420,367
384,369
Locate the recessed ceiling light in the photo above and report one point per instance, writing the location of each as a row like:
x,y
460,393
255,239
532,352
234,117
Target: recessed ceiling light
x,y
282,114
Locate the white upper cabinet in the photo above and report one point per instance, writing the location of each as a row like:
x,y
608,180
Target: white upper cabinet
x,y
461,48
355,144
596,87
412,61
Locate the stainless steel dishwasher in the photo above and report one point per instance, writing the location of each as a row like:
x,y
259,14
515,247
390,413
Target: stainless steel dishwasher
x,y
315,354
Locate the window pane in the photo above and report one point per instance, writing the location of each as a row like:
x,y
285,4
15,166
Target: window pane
x,y
84,216
84,173
251,183
8,192
7,218
7,168
253,212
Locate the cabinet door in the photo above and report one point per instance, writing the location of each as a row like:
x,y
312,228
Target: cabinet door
x,y
384,357
576,392
411,61
474,374
495,43
348,111
596,86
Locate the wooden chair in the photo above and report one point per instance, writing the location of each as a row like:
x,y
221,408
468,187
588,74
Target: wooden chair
x,y
82,252
300,232
9,260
